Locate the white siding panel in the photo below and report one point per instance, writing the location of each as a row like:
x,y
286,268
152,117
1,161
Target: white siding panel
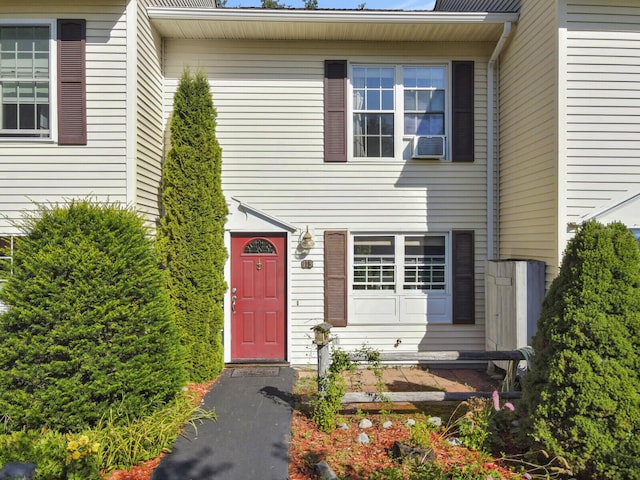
x,y
43,172
149,149
528,144
602,101
269,99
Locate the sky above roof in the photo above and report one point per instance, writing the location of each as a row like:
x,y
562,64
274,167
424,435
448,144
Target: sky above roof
x,y
347,4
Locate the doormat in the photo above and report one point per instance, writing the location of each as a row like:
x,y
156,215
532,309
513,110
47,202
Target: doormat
x,y
256,372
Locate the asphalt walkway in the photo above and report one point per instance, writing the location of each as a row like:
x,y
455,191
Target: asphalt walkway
x,y
249,440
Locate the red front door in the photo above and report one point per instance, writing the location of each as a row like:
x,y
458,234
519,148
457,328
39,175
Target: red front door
x,y
258,319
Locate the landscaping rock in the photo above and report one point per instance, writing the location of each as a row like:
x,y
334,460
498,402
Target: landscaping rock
x,y
18,471
325,472
437,421
387,424
401,451
365,423
363,439
454,441
343,426
411,422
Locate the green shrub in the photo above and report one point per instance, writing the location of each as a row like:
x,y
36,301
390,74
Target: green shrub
x,y
89,325
582,394
191,231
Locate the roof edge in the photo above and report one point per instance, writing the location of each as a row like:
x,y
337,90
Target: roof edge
x,y
330,16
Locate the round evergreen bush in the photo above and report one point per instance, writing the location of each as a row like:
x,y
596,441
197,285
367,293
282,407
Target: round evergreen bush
x,y
583,392
89,326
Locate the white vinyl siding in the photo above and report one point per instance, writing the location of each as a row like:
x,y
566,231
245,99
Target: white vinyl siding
x,y
269,99
602,91
45,172
528,169
150,137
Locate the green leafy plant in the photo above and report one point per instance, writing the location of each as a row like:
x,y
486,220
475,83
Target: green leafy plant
x,y
191,232
331,388
89,324
582,395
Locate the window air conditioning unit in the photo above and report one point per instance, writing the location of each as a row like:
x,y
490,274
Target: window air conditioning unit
x,y
429,146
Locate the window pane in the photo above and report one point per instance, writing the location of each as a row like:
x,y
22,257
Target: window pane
x,y
10,116
387,100
387,75
373,100
373,147
43,116
358,99
7,64
359,77
27,119
41,65
386,122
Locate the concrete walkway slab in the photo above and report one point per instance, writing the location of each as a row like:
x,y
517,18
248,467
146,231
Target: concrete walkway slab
x,y
250,439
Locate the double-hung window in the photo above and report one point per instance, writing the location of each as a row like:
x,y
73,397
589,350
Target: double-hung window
x,y
383,97
423,110
43,81
25,81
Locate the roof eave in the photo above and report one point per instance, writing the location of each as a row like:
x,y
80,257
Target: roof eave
x,y
330,16
337,25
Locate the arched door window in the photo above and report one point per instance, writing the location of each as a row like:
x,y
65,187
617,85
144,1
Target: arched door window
x,y
259,246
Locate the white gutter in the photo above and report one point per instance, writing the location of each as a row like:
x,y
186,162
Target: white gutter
x,y
131,95
490,139
331,16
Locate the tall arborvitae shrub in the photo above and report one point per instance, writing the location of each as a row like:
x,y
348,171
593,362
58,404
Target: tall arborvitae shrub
x,y
191,232
89,326
583,392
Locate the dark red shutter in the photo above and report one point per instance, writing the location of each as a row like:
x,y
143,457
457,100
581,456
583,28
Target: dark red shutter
x,y
335,277
335,111
72,97
463,277
462,112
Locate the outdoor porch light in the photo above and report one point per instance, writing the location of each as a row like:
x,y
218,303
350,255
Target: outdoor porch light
x,y
307,243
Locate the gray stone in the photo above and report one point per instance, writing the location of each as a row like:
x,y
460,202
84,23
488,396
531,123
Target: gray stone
x,y
411,422
18,471
363,438
325,472
365,423
401,451
343,426
454,441
387,424
437,421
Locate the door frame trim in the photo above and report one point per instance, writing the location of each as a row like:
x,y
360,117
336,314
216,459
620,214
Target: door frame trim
x,y
226,335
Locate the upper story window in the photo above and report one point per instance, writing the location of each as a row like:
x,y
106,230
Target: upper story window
x,y
411,97
25,82
42,81
399,111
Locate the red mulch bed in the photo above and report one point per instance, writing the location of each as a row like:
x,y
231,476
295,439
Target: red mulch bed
x,y
351,460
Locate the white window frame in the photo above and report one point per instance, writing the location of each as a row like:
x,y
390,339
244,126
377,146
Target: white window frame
x,y
53,79
399,305
8,258
402,143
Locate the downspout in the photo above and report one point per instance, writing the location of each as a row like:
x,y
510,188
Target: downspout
x,y
490,138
